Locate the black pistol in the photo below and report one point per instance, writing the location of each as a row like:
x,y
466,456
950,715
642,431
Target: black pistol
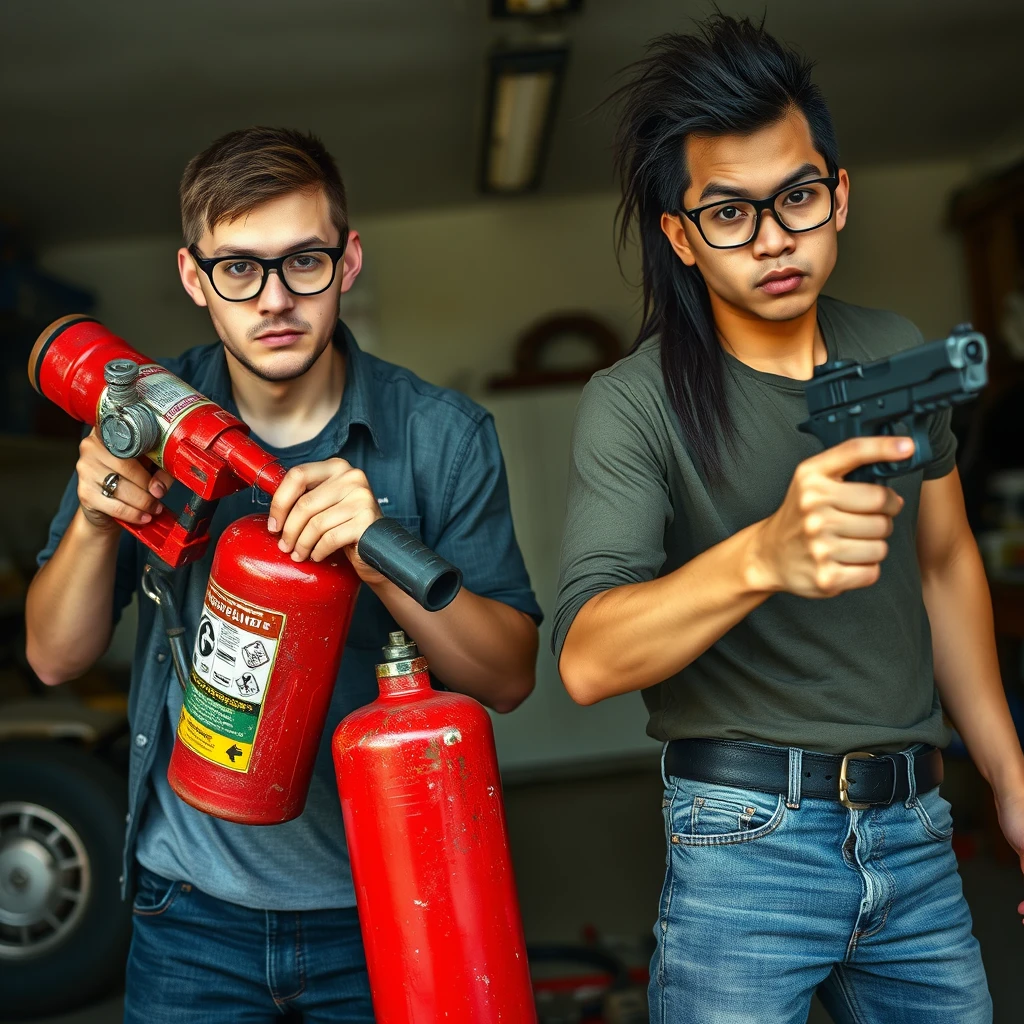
x,y
895,396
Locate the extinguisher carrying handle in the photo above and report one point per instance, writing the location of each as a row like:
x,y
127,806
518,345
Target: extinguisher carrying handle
x,y
157,588
425,576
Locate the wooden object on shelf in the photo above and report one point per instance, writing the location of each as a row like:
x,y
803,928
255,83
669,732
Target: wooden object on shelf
x,y
530,371
990,216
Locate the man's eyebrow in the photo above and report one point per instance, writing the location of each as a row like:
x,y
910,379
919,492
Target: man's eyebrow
x,y
302,243
717,188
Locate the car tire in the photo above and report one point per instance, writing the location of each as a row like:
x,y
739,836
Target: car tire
x,y
64,930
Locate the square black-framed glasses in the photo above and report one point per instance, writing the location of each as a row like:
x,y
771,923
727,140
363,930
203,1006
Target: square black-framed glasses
x,y
334,253
760,205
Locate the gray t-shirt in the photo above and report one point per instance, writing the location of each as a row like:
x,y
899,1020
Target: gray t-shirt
x,y
852,672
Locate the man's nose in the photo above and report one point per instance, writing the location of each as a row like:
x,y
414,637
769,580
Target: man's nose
x,y
275,298
772,239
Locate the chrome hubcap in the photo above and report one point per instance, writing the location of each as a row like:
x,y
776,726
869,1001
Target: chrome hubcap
x,y
44,880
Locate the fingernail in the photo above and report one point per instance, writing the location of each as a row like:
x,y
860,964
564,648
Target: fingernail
x,y
157,489
281,544
905,445
146,517
272,524
159,508
296,557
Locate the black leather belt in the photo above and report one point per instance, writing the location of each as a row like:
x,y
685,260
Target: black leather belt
x,y
856,780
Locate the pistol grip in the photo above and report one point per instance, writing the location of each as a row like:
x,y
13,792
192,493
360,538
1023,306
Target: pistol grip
x,y
879,472
165,536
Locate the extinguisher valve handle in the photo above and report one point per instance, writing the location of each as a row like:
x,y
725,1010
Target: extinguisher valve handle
x,y
394,552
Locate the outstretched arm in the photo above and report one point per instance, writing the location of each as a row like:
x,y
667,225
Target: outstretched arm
x,y
963,643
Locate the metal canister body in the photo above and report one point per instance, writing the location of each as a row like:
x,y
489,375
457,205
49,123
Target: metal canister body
x,y
265,660
198,443
427,838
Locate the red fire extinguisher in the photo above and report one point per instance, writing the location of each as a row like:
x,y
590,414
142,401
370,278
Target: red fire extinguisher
x,y
272,632
425,826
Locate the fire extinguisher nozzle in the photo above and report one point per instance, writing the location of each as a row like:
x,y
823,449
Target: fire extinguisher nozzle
x,y
400,648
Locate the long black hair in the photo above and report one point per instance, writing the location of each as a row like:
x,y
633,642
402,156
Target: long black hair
x,y
730,77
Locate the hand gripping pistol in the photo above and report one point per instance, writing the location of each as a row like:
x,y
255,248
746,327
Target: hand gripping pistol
x,y
895,395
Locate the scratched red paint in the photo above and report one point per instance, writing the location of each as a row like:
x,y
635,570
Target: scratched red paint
x,y
425,825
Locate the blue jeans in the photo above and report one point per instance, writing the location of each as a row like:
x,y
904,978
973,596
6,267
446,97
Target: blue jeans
x,y
199,959
765,902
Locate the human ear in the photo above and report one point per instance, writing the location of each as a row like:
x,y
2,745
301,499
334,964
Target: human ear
x,y
189,274
675,231
352,261
842,199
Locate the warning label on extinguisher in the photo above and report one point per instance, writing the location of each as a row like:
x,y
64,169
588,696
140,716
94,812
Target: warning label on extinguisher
x,y
234,653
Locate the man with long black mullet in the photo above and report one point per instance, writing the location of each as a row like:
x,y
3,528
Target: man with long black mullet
x,y
783,623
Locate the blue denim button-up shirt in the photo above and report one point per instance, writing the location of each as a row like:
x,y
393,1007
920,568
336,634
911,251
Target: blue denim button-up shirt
x,y
433,461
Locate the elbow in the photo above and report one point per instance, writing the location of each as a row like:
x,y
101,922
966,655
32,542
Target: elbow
x,y
582,684
43,658
46,672
515,694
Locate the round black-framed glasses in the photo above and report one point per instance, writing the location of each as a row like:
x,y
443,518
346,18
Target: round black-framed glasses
x,y
242,277
732,223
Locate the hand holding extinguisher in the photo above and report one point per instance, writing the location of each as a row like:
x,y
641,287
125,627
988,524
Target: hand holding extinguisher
x,y
273,629
141,409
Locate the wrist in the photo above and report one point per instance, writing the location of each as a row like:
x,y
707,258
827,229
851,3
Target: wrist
x,y
108,529
758,573
1006,780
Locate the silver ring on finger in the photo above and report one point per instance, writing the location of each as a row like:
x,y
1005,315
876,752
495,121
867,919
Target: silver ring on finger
x,y
109,485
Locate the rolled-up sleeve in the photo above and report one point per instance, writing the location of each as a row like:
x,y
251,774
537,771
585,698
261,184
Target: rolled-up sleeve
x,y
478,535
618,502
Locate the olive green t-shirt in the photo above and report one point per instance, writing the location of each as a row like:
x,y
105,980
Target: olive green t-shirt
x,y
851,672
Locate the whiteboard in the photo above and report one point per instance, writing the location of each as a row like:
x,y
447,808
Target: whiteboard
x,y
549,733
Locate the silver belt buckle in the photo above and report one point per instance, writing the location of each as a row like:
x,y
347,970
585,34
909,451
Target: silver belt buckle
x,y
844,782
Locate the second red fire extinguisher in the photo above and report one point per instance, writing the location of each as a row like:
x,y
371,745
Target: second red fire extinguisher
x,y
425,826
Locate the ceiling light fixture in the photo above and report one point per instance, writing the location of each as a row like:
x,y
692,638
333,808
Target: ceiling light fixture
x,y
532,8
522,97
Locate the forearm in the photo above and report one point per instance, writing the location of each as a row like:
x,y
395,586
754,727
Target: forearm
x,y
476,646
967,667
69,607
635,636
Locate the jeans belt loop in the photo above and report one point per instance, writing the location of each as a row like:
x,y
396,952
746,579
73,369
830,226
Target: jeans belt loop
x,y
908,756
796,769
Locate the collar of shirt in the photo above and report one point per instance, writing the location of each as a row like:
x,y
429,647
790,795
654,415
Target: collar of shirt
x,y
357,401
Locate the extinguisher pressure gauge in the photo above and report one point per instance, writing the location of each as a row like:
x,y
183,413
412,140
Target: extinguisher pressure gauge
x,y
129,429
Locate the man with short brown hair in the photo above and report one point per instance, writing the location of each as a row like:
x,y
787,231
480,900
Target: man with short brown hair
x,y
236,922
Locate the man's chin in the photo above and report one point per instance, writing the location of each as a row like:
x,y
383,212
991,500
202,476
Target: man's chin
x,y
785,307
277,367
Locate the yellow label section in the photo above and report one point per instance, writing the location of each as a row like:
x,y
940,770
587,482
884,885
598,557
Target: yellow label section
x,y
212,745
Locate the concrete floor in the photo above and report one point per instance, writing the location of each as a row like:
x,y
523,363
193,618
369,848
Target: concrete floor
x,y
993,891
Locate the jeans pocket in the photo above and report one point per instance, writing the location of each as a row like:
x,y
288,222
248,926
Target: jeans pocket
x,y
154,894
934,812
707,815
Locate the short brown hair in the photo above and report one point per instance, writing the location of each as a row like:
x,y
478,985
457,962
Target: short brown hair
x,y
248,167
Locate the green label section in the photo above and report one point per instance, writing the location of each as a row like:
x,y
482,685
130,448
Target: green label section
x,y
235,719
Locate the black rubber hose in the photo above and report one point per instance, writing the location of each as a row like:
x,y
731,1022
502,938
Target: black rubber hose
x,y
158,588
426,577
